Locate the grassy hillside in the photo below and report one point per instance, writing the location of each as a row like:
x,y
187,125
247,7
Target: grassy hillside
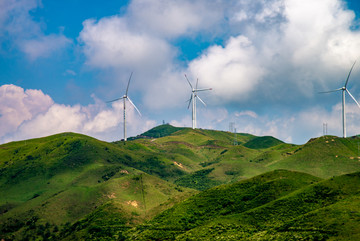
x,y
323,157
279,205
158,131
70,186
63,178
262,142
195,151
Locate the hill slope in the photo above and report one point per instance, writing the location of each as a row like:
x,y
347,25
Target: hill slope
x,y
323,157
70,186
63,178
279,205
158,131
262,142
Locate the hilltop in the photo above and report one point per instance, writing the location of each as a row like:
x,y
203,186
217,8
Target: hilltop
x,y
68,185
158,131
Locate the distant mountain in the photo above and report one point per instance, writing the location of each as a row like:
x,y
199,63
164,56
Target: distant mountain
x,y
71,186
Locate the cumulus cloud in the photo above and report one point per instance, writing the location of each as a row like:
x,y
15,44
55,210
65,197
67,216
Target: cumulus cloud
x,y
229,70
30,113
109,42
19,29
18,106
287,51
173,18
271,47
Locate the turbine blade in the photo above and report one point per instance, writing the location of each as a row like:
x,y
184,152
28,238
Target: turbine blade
x,y
197,81
203,89
347,79
190,101
127,97
127,89
201,100
352,97
188,81
114,100
330,91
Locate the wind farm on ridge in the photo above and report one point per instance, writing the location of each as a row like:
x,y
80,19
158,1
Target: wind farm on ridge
x,y
194,96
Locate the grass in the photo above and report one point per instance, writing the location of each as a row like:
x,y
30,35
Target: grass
x,y
64,185
262,142
62,178
279,205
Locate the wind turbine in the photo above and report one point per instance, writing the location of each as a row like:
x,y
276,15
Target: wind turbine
x,y
124,98
344,89
193,98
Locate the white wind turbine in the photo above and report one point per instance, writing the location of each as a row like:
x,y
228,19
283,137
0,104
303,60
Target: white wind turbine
x,y
193,98
124,98
344,89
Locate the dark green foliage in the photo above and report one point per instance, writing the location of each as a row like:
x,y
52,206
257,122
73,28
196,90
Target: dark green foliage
x,y
280,205
153,166
227,200
107,222
198,180
111,172
262,142
159,131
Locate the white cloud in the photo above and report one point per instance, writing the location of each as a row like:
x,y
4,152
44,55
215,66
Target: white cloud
x,y
173,18
110,43
231,70
246,113
44,46
323,36
30,114
18,28
18,106
287,51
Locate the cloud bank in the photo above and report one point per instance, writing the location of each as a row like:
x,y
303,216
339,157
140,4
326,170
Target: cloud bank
x,y
26,114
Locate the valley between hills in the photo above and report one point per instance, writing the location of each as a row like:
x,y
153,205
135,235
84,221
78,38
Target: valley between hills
x,y
175,183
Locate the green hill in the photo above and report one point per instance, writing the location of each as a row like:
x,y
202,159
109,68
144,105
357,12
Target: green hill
x,y
63,178
323,157
70,186
158,131
279,205
262,142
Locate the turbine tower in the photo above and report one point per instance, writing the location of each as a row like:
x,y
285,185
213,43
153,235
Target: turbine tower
x,y
344,89
193,98
124,98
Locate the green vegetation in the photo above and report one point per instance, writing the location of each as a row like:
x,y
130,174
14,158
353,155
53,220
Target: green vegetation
x,y
70,186
198,180
159,131
279,205
262,142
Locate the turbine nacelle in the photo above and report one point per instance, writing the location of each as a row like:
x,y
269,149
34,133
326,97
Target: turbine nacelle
x,y
193,98
344,89
126,97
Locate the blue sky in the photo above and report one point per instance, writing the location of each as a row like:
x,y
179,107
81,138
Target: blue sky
x,y
60,61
